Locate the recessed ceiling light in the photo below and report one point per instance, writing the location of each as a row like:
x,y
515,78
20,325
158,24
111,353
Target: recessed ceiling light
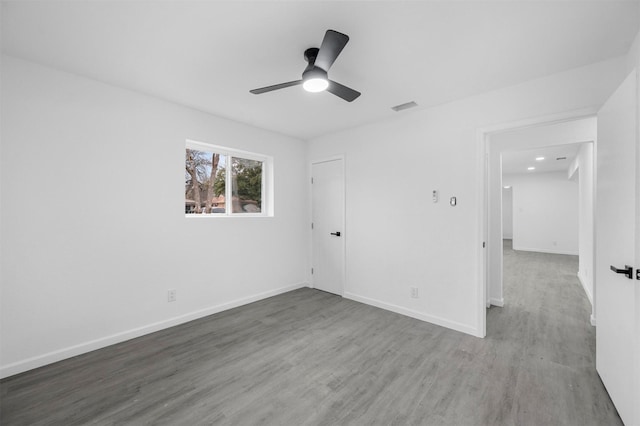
x,y
531,168
539,158
507,186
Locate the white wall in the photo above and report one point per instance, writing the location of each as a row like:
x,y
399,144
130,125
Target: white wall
x,y
507,213
435,247
586,179
563,132
545,212
93,224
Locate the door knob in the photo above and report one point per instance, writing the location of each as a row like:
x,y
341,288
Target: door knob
x,y
628,271
337,234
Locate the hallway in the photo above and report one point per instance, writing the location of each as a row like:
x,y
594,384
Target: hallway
x,y
546,318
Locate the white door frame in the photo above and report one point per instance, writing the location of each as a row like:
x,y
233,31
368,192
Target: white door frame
x,y
484,236
340,157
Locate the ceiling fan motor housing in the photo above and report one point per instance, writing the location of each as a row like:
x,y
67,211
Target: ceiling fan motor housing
x,y
314,72
311,71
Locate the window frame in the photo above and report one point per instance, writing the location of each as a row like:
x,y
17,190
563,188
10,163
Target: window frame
x,y
266,205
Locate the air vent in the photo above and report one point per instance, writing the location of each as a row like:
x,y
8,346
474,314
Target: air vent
x,y
561,158
401,107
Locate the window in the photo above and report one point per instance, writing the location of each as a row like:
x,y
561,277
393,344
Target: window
x,y
225,182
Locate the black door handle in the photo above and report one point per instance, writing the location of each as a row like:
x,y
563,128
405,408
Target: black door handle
x,y
337,234
628,271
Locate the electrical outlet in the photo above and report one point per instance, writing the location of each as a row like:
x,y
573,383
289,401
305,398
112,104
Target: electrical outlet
x,y
414,292
171,295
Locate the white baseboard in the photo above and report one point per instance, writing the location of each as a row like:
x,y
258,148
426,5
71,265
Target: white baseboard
x,y
585,287
79,349
550,251
464,328
497,302
589,296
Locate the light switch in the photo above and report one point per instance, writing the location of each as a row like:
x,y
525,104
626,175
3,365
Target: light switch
x,y
435,196
453,201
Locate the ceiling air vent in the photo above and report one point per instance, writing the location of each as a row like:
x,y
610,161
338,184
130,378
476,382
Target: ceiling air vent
x,y
401,107
561,158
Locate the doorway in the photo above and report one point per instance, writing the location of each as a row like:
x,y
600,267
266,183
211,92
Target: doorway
x,y
548,162
328,225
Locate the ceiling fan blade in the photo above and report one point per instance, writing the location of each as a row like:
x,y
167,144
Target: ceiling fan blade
x,y
332,45
343,92
275,87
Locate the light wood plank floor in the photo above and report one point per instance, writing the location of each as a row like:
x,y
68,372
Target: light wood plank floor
x,y
311,358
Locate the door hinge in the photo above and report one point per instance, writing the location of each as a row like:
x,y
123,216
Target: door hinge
x,y
311,271
484,244
311,225
311,181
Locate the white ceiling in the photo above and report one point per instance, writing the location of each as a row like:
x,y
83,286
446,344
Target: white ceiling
x,y
209,54
519,161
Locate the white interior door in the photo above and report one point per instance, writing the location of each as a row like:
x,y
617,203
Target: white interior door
x,y
616,302
328,225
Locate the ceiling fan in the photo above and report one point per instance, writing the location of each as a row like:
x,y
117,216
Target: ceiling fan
x,y
314,77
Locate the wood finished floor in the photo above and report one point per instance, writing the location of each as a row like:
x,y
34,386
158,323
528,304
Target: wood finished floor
x,y
311,358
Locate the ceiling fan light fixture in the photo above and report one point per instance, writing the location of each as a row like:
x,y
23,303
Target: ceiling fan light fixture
x,y
315,85
314,77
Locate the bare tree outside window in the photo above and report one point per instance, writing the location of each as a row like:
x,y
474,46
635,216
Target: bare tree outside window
x,y
202,189
206,177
